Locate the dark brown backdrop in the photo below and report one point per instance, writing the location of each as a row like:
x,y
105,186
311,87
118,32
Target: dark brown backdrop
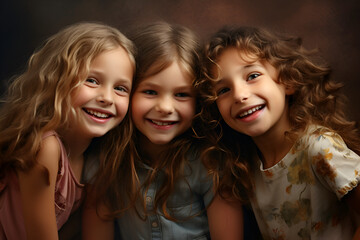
x,y
331,25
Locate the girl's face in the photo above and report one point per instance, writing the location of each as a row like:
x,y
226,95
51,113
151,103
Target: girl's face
x,y
163,105
102,101
250,99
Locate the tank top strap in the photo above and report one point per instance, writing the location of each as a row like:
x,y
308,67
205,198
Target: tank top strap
x,y
48,134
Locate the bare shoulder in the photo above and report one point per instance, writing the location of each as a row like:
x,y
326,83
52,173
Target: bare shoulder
x,y
37,187
47,163
49,154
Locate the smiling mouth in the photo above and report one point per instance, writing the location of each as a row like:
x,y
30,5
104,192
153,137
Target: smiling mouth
x,y
250,111
162,123
97,114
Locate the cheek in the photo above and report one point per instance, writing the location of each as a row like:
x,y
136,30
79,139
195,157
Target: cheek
x,y
188,110
278,96
137,106
137,116
79,97
138,112
135,112
221,106
122,106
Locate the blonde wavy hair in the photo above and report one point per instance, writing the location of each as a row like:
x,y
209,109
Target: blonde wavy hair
x,y
39,99
316,100
158,44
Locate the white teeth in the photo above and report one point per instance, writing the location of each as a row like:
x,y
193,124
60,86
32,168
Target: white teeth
x,y
250,111
161,123
97,114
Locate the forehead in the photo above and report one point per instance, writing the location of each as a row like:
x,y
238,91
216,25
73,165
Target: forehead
x,y
232,62
236,56
231,58
173,75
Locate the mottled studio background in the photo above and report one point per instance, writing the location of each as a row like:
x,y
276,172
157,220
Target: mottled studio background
x,y
330,25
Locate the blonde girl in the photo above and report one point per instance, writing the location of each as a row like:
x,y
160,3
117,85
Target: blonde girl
x,y
76,88
282,117
166,192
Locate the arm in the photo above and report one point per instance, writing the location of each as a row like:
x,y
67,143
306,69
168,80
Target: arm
x,y
225,219
37,188
353,201
72,227
93,226
338,169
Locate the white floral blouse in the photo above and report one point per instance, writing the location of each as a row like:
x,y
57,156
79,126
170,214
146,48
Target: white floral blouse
x,y
300,197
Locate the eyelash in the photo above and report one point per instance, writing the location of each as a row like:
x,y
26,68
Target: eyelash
x,y
92,81
222,91
182,95
121,89
253,76
150,92
179,95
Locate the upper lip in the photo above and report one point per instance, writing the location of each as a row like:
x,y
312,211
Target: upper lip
x,y
246,109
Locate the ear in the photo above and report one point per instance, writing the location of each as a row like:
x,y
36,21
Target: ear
x,y
289,91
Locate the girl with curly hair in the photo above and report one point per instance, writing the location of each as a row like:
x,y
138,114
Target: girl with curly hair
x,y
280,119
76,88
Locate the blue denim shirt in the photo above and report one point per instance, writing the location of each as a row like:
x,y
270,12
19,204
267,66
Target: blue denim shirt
x,y
187,204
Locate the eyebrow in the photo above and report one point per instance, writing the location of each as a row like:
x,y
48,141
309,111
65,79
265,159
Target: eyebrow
x,y
252,65
102,73
154,85
160,85
185,88
147,84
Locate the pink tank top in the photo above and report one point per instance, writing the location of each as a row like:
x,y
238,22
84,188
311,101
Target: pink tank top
x,y
68,197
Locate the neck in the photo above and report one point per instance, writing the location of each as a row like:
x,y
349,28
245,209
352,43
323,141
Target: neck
x,y
273,145
75,144
151,151
274,149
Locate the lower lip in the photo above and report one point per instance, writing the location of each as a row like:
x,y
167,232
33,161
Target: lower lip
x,y
252,116
161,127
98,120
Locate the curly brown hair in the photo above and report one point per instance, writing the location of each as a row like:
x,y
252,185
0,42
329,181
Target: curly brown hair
x,y
316,100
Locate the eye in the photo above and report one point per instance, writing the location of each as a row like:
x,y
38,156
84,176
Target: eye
x,y
91,81
221,91
121,89
252,76
182,94
150,92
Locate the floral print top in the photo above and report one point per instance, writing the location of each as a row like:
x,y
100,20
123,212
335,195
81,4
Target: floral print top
x,y
300,197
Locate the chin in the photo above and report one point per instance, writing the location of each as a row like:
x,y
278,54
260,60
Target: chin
x,y
159,141
255,134
99,134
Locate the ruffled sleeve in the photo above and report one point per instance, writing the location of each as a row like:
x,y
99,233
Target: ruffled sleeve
x,y
336,166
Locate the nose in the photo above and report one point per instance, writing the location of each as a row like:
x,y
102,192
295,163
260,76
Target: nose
x,y
241,92
105,96
165,105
